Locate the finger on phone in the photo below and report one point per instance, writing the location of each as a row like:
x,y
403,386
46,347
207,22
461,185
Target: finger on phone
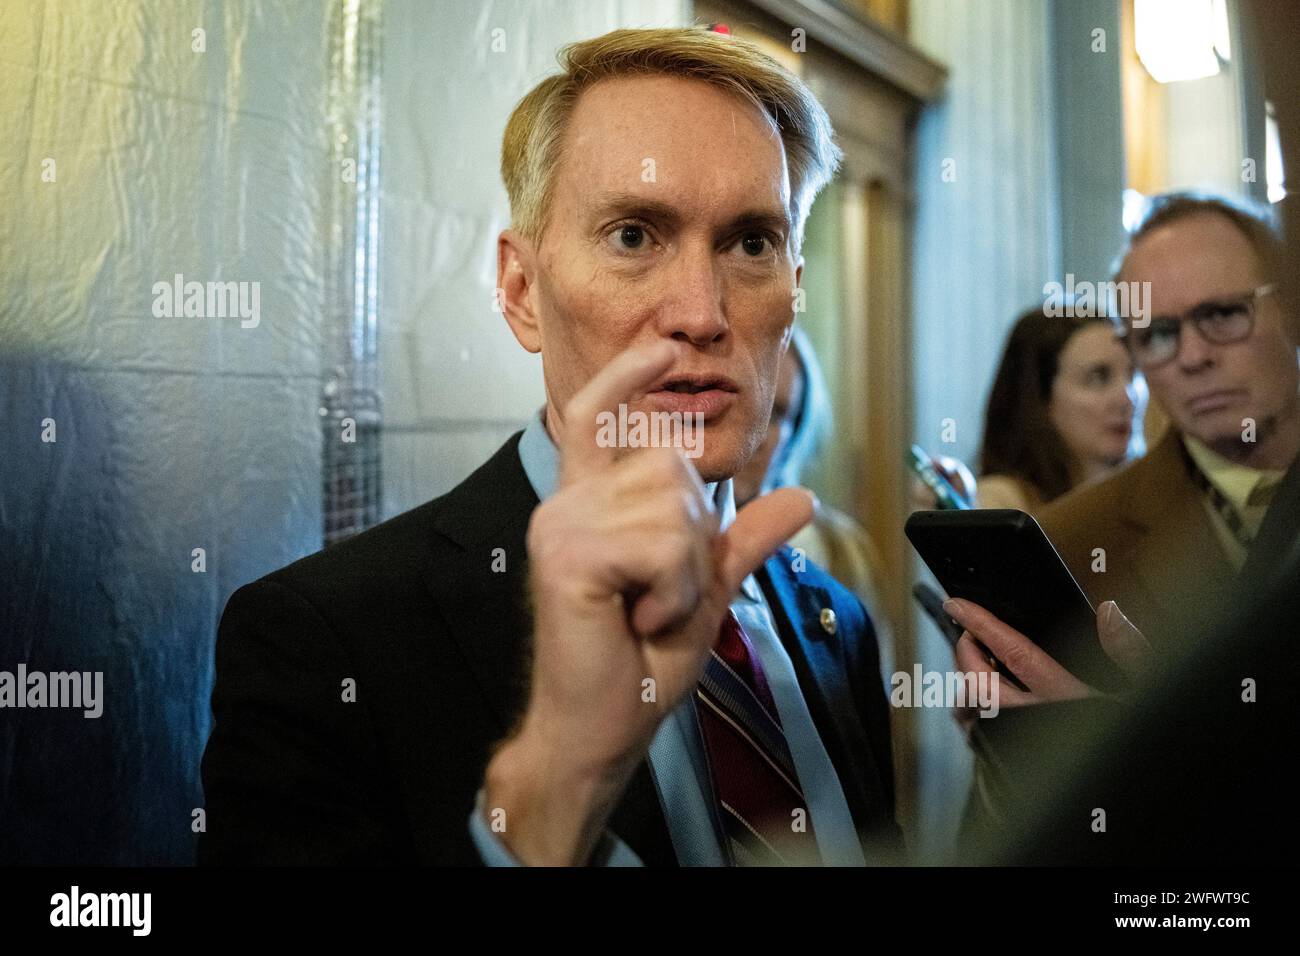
x,y
972,660
1030,663
1122,642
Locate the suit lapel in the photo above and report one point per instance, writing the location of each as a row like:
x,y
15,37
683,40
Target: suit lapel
x,y
1180,564
485,608
820,666
1278,543
487,615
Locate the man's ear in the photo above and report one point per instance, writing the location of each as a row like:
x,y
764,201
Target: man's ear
x,y
516,272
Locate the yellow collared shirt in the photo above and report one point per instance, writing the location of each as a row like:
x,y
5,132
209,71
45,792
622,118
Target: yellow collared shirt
x,y
1248,490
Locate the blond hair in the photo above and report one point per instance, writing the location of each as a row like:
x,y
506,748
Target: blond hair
x,y
532,145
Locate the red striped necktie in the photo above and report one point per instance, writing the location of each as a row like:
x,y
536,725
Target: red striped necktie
x,y
764,814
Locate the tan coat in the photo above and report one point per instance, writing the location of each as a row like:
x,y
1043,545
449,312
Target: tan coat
x,y
1164,565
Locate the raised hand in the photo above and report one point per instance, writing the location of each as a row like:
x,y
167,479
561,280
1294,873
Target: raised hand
x,y
631,578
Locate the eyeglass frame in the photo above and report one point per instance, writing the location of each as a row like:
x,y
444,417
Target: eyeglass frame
x,y
1251,298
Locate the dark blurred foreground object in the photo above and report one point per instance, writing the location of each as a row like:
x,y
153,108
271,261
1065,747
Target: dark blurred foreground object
x,y
1191,772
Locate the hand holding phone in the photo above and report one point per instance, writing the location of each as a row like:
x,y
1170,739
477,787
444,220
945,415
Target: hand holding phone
x,y
1002,561
946,496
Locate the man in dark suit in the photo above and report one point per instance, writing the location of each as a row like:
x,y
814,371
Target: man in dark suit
x,y
582,654
436,641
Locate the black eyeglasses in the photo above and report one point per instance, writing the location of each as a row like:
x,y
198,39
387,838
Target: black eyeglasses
x,y
1221,321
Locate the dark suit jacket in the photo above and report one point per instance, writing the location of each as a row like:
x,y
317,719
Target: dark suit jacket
x,y
437,644
1165,566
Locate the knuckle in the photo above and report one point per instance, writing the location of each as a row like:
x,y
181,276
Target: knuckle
x,y
540,524
1018,657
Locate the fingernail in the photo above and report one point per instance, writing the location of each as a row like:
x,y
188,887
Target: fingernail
x,y
952,606
1108,610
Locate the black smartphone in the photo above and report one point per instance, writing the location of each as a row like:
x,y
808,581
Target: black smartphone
x,y
1002,561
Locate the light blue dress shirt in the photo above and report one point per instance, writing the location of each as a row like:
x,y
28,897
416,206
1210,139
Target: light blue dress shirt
x,y
677,760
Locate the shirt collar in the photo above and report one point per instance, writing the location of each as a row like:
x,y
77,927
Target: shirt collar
x,y
1237,483
541,461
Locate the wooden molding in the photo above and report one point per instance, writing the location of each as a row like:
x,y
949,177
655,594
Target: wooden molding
x,y
858,39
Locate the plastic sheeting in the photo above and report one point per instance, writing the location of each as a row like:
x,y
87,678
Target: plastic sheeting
x,y
134,149
182,433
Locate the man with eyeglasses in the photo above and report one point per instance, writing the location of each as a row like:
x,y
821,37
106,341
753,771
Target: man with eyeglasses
x,y
1166,537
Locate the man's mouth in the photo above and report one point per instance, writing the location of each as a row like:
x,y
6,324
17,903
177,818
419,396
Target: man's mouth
x,y
1214,401
693,384
706,394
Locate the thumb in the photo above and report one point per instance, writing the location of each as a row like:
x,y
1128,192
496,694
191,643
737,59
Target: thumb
x,y
1122,642
760,528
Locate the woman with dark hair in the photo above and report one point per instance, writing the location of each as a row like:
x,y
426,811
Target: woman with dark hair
x,y
1060,412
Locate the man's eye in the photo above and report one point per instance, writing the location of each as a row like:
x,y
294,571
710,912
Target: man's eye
x,y
631,236
758,245
1162,330
1224,314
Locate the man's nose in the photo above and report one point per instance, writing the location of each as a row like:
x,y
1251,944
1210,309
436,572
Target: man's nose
x,y
1194,352
692,309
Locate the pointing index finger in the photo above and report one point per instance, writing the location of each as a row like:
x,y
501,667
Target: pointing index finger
x,y
630,372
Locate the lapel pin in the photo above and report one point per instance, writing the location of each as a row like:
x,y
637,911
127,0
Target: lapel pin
x,y
828,620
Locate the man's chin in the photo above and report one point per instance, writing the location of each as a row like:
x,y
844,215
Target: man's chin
x,y
1231,436
713,468
719,459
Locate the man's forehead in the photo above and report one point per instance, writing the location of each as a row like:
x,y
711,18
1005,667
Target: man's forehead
x,y
1192,259
671,140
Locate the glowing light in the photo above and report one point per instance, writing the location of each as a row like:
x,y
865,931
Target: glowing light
x,y
1181,39
1273,170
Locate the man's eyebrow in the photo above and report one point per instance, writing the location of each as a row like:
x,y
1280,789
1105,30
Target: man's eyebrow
x,y
762,219
634,206
1213,302
629,204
